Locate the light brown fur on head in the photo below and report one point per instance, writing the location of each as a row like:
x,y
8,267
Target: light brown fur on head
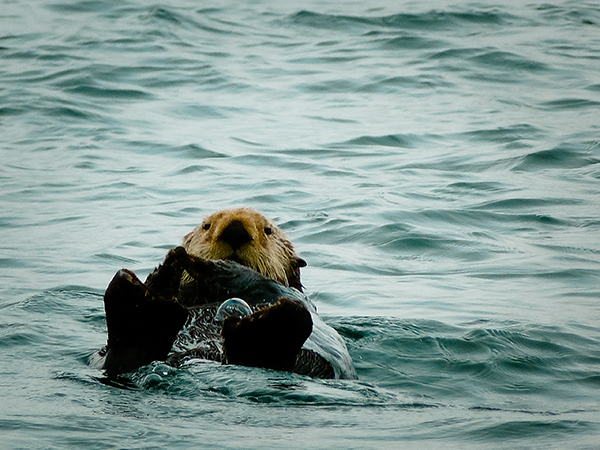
x,y
249,238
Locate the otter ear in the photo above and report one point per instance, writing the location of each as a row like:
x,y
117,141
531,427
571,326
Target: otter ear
x,y
299,261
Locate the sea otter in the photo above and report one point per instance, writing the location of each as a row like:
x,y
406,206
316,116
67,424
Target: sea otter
x,y
175,314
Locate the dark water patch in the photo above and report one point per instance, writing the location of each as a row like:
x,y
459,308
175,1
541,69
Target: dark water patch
x,y
178,20
532,219
569,104
507,62
200,111
412,43
339,85
14,263
137,244
585,13
580,250
82,6
48,75
167,15
483,187
65,219
151,72
567,274
431,20
18,335
195,151
252,143
586,380
505,432
509,134
28,55
330,86
527,203
71,113
328,119
562,157
325,21
193,168
571,274
116,93
12,111
390,140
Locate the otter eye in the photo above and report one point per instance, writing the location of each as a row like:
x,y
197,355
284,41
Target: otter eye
x,y
268,230
206,226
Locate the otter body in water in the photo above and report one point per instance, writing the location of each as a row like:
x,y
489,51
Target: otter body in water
x,y
233,253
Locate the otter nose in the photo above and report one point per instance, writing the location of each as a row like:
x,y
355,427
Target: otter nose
x,y
235,234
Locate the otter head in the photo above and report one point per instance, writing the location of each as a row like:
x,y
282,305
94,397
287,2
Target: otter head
x,y
246,236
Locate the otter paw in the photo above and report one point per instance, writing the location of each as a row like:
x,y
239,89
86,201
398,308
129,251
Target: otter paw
x,y
270,338
141,326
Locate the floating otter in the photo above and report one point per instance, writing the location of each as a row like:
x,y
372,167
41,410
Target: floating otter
x,y
175,315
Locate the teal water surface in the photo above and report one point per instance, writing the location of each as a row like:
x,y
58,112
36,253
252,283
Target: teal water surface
x,y
435,163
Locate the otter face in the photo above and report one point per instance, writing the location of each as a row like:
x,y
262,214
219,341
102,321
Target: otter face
x,y
247,237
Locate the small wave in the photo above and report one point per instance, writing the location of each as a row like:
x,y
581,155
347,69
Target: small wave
x,y
431,20
504,432
507,62
561,157
568,104
114,93
390,140
210,380
12,111
510,134
183,19
14,263
508,359
412,43
112,258
582,13
18,335
338,85
485,187
71,113
195,151
523,203
63,300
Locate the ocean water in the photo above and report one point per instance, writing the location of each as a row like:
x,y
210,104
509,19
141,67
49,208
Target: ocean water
x,y
435,163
